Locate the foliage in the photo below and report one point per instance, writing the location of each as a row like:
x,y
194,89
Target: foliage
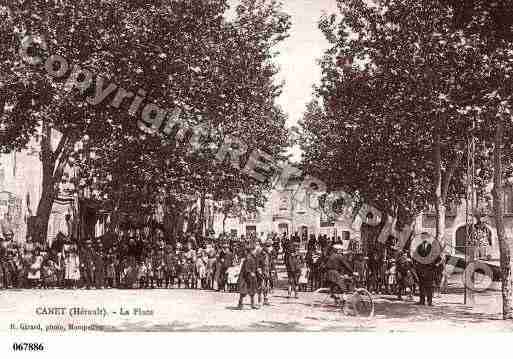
x,y
374,124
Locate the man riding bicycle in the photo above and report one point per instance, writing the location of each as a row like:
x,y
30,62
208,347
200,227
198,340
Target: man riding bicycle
x,y
338,270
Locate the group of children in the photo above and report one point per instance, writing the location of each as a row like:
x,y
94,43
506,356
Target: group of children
x,y
90,265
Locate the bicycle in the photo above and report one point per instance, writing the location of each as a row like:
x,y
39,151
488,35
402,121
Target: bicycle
x,y
357,301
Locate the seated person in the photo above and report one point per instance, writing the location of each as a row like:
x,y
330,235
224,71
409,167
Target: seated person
x,y
336,268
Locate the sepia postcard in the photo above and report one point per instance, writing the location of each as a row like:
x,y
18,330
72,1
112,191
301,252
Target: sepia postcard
x,y
255,166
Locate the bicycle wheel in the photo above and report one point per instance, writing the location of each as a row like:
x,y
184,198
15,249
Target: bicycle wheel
x,y
361,303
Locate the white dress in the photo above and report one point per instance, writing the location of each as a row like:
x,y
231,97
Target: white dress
x,y
35,269
72,267
233,274
303,278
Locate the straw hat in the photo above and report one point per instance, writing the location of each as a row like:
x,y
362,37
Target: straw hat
x,y
338,247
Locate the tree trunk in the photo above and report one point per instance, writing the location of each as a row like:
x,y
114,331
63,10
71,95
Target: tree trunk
x,y
202,214
169,222
53,163
441,184
44,210
440,204
114,218
498,195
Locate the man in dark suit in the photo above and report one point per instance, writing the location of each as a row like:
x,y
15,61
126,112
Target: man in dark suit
x,y
337,268
99,266
426,264
87,264
265,266
225,262
312,243
248,277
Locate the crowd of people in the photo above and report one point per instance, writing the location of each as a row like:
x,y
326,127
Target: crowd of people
x,y
135,259
143,258
380,268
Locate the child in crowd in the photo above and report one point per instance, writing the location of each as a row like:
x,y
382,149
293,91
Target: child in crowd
x,y
190,275
2,277
170,268
150,272
211,269
26,261
142,275
10,267
48,272
34,274
159,268
233,278
18,267
180,271
59,261
303,277
110,269
71,268
201,270
391,275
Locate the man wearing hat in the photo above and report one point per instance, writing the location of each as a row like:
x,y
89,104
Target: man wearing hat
x,y
248,276
9,235
3,261
87,264
265,265
170,259
336,267
7,255
99,266
225,262
293,272
426,268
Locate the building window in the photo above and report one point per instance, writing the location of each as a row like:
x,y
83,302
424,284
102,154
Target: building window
x,y
2,178
284,201
283,228
508,200
251,231
251,204
14,164
450,209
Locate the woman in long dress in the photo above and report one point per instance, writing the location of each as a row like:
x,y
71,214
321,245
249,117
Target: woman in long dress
x,y
71,269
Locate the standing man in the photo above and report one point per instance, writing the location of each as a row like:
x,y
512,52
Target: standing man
x,y
87,264
312,244
295,238
248,277
323,242
225,262
99,267
293,272
265,266
426,266
276,245
287,246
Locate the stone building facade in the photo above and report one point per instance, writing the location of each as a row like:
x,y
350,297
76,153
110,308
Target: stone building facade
x,y
455,224
289,211
20,191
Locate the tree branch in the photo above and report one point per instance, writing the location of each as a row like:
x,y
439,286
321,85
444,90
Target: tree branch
x,y
450,171
61,161
60,146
